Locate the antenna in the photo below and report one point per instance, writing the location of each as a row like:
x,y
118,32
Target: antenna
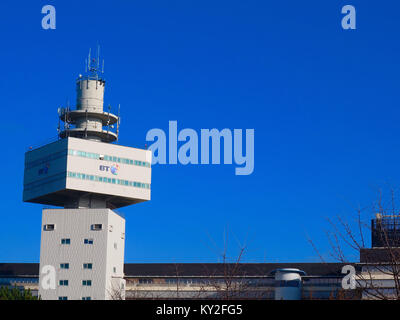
x,y
93,64
98,56
86,127
90,49
118,122
59,123
119,119
108,119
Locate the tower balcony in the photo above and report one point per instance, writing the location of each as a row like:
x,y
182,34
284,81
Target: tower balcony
x,y
86,133
71,116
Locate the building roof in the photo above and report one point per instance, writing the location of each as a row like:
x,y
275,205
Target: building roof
x,y
380,255
191,269
220,269
19,269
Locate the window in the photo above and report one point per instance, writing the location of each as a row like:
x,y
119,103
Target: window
x,y
65,241
49,227
63,283
123,235
91,155
110,228
145,281
87,266
115,245
170,281
96,227
115,270
88,241
287,283
62,298
84,176
86,298
87,283
64,265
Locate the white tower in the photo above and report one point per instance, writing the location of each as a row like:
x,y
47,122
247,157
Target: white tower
x,y
90,177
288,283
89,117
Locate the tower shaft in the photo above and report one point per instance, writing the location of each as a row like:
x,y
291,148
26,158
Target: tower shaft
x,y
83,243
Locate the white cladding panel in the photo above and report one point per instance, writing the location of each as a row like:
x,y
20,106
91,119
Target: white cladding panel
x,y
102,169
106,253
45,169
54,172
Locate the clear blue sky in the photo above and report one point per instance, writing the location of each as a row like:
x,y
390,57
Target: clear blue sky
x,y
324,104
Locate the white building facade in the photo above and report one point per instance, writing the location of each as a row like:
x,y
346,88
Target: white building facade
x,y
89,177
86,247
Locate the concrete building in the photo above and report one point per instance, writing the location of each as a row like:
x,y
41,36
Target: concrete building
x,y
206,280
379,274
86,247
90,178
376,277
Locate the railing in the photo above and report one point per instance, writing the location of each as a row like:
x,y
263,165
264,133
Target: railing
x,y
90,77
387,223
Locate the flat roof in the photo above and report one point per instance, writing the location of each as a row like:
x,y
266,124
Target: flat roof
x,y
191,269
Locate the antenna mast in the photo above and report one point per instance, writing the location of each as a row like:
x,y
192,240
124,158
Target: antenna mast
x,y
90,120
93,65
118,121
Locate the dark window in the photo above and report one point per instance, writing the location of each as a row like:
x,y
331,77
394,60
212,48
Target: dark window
x,y
145,281
65,241
87,283
88,241
49,227
96,227
63,282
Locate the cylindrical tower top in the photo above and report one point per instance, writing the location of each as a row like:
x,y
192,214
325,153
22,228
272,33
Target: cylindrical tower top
x,y
90,94
89,117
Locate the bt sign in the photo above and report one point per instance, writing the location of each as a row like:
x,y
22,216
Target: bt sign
x,y
113,169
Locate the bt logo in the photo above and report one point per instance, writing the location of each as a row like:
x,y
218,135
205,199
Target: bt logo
x,y
113,169
44,170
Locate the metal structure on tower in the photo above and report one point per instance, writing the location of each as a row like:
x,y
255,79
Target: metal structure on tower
x,y
89,120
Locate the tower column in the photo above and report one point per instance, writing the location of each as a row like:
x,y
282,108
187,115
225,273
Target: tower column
x,y
82,245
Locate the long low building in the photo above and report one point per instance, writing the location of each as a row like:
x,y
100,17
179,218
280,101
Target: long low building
x,y
204,280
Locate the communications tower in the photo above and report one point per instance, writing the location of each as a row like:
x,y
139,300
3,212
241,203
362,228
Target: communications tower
x,y
82,243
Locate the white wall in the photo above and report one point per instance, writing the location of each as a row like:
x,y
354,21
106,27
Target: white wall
x,y
92,167
55,179
75,224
